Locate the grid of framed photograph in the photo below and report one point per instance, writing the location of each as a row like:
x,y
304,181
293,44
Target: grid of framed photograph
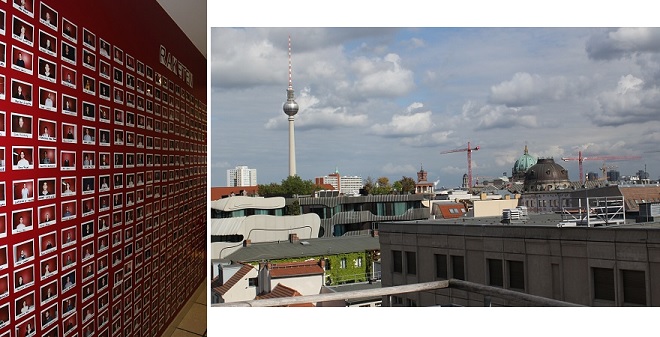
x,y
97,225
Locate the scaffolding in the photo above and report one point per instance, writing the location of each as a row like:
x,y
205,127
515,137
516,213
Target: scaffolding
x,y
593,212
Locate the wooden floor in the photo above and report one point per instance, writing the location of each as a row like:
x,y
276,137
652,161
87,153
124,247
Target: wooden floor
x,y
191,321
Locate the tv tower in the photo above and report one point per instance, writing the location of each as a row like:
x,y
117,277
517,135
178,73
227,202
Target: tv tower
x,y
291,109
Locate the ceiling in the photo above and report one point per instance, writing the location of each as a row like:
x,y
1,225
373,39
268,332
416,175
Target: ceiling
x,y
190,15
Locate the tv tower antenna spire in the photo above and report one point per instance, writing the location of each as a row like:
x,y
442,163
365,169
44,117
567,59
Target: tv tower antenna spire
x,y
291,109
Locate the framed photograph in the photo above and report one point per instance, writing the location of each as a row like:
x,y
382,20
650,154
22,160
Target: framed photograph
x,y
69,133
23,252
88,271
104,137
88,160
104,69
119,160
68,280
102,244
89,111
119,137
118,96
68,77
48,16
118,76
68,186
149,73
140,103
88,136
4,291
69,30
104,114
47,157
69,105
49,267
130,99
26,328
102,264
4,257
69,210
3,234
68,160
22,157
21,125
89,39
5,317
103,221
88,251
89,85
24,305
69,303
23,191
104,160
3,89
130,81
116,239
69,259
21,92
89,59
47,130
48,244
22,31
88,184
118,55
104,48
104,91
47,43
23,278
3,54
87,206
49,316
46,191
47,99
68,52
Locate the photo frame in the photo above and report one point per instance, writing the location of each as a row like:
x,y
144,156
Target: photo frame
x,y
104,114
89,85
47,244
104,91
21,92
23,278
68,77
24,305
22,31
23,252
68,52
21,125
47,157
49,267
69,30
89,60
68,160
48,16
69,260
69,210
47,99
118,55
47,43
47,129
89,39
68,186
23,191
69,105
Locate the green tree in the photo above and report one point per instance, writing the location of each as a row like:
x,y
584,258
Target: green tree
x,y
407,185
382,186
293,208
292,185
368,185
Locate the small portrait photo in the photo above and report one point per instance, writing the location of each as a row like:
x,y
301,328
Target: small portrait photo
x,y
141,121
88,270
3,17
118,179
157,94
119,160
119,137
3,231
47,130
103,222
118,96
130,119
69,304
89,59
88,135
130,160
130,81
140,86
150,73
68,210
23,192
150,106
47,43
22,60
87,206
118,55
104,183
69,105
68,77
104,91
104,203
68,186
48,268
48,244
140,68
24,305
89,39
89,111
104,114
104,48
25,6
88,184
68,280
21,92
4,290
116,258
22,31
48,317
68,53
68,160
104,137
23,278
3,89
5,317
102,243
4,257
118,76
23,252
46,191
69,259
22,157
87,251
140,103
104,69
69,30
119,117
47,157
68,236
26,328
116,221
104,160
3,54
49,17
117,200
22,221
21,125
89,85
130,62
47,99
88,159
69,133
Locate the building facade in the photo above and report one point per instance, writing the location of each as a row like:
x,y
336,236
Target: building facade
x,y
241,176
347,185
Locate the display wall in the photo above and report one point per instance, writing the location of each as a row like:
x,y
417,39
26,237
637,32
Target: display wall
x,y
102,168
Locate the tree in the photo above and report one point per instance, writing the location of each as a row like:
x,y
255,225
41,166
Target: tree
x,y
292,185
407,185
368,185
382,186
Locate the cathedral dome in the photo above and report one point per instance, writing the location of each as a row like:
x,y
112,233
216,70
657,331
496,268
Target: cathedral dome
x,y
546,175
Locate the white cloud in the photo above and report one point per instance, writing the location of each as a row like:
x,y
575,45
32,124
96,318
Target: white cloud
x,y
487,117
410,124
398,169
629,102
526,89
382,76
623,42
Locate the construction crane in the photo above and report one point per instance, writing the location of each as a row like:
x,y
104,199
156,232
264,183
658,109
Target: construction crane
x,y
469,150
605,168
580,159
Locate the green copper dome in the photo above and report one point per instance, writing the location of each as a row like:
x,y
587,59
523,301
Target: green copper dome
x,y
524,162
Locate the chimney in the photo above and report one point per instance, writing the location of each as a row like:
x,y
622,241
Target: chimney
x,y
483,196
293,238
247,243
322,263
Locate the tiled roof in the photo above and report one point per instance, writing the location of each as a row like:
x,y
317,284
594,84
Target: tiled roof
x,y
283,291
223,289
291,269
635,195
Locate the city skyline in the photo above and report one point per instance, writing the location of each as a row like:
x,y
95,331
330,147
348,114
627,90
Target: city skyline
x,y
385,101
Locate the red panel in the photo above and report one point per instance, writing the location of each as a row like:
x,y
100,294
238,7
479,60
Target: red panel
x,y
102,168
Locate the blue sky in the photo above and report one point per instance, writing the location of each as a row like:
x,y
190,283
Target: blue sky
x,y
385,101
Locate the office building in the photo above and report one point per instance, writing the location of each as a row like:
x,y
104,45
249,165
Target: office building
x,y
241,176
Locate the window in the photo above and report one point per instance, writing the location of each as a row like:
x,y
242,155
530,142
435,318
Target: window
x,y
327,264
342,263
495,273
441,266
411,263
458,267
516,275
253,282
358,262
634,287
603,283
397,259
411,303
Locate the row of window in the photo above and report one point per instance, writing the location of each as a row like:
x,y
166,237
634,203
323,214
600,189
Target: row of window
x,y
633,285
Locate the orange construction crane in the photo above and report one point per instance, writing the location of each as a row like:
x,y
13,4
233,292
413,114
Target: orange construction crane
x,y
469,159
580,159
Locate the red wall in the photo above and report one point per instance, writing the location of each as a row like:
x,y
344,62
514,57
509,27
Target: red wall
x,y
139,283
